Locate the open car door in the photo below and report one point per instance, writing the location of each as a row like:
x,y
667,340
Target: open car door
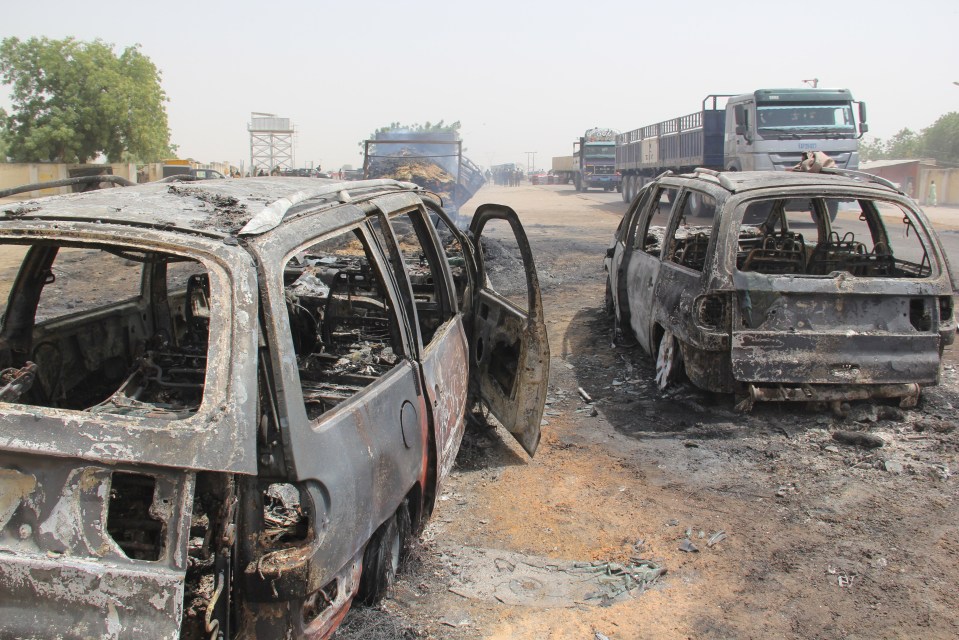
x,y
509,350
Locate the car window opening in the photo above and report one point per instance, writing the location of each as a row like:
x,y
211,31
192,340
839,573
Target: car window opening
x,y
342,321
133,345
825,236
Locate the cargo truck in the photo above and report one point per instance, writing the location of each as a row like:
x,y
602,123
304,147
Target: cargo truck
x,y
592,162
432,159
768,129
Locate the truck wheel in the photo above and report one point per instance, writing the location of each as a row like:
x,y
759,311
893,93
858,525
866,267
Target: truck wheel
x,y
577,183
624,189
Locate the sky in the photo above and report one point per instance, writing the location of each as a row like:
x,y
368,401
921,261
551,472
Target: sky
x,y
520,76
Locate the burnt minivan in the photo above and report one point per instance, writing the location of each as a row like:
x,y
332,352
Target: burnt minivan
x,y
225,406
744,283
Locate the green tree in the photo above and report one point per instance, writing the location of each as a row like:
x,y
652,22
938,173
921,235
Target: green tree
x,y
904,144
872,149
941,140
73,101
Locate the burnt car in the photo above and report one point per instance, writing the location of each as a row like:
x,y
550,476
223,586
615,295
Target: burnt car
x,y
539,177
743,282
225,406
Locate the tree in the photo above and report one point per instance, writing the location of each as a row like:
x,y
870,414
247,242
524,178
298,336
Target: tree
x,y
73,101
941,140
872,149
904,144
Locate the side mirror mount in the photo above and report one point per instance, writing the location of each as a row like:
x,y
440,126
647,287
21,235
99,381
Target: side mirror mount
x,y
742,122
863,126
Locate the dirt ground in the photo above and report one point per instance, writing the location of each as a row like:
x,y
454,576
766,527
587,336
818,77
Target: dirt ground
x,y
810,538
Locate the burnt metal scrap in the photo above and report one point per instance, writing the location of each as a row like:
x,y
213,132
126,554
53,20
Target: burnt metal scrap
x,y
812,287
234,434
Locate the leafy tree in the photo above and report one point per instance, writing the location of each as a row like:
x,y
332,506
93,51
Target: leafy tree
x,y
941,140
872,149
904,144
73,101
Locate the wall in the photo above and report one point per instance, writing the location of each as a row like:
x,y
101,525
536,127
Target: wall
x,y
947,185
14,174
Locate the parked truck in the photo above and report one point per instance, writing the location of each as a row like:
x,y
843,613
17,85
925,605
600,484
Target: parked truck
x,y
592,163
768,129
432,159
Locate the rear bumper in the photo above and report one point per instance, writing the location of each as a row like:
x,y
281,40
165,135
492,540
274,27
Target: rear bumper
x,y
907,393
849,359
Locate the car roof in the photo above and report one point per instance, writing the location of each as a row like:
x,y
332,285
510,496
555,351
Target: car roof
x,y
739,181
220,208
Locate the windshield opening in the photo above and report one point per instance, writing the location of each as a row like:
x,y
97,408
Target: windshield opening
x,y
836,117
106,329
600,152
828,236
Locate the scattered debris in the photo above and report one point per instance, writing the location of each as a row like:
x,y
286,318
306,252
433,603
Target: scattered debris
x,y
858,439
523,580
892,466
585,396
687,546
716,538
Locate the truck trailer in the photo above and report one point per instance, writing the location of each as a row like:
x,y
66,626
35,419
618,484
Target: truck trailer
x,y
434,160
592,162
768,129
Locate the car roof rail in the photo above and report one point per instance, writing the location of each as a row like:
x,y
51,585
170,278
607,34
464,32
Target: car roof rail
x,y
862,175
723,180
273,214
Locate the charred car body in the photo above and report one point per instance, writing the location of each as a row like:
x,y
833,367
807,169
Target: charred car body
x,y
742,281
233,433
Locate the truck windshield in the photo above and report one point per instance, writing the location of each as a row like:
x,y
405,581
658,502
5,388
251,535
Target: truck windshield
x,y
601,151
799,118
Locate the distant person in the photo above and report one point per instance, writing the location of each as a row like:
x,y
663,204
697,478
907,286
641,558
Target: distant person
x,y
931,199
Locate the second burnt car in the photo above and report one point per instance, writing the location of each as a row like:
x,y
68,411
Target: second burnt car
x,y
745,283
225,406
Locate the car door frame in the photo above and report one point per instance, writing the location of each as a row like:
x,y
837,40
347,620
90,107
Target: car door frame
x,y
514,338
620,254
446,384
642,270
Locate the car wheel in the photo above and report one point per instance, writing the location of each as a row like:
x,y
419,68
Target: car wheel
x,y
669,361
380,562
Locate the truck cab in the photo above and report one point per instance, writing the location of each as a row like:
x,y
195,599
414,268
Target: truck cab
x,y
769,129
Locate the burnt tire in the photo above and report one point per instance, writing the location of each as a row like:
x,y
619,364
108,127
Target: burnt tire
x,y
609,308
669,361
381,559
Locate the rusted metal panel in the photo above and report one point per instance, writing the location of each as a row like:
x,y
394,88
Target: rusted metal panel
x,y
71,567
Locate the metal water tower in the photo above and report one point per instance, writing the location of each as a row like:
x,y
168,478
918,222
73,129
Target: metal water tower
x,y
271,143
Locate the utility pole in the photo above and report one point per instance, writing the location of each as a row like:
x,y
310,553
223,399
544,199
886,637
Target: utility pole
x,y
530,161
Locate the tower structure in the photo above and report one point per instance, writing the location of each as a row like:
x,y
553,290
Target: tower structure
x,y
271,143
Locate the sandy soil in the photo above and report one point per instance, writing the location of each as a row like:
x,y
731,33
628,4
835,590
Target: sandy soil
x,y
822,540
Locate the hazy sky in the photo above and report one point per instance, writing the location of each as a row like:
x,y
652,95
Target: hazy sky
x,y
520,76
